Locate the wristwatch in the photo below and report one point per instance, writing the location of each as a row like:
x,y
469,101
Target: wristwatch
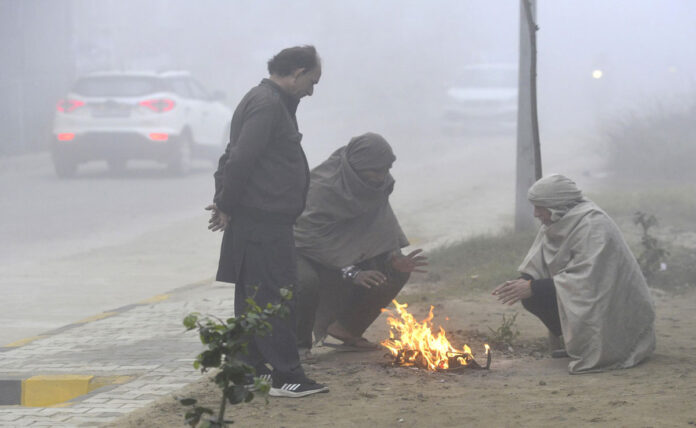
x,y
350,272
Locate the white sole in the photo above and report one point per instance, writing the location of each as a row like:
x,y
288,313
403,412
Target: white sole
x,y
277,392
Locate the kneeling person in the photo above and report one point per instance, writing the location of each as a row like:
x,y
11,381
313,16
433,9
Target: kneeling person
x,y
348,241
581,279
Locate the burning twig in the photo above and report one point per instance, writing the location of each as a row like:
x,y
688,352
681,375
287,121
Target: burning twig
x,y
412,343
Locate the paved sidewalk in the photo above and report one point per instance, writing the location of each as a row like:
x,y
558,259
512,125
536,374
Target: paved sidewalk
x,y
146,341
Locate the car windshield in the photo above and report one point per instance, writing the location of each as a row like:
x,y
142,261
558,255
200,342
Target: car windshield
x,y
488,78
117,86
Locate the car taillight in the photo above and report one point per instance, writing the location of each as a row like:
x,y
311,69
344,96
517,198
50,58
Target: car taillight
x,y
68,106
159,105
159,136
67,136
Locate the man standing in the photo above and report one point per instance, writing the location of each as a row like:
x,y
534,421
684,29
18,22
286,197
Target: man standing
x,y
260,189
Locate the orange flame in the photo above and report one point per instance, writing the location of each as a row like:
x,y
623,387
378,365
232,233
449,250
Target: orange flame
x,y
412,343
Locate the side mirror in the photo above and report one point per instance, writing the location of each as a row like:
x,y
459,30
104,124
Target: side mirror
x,y
218,96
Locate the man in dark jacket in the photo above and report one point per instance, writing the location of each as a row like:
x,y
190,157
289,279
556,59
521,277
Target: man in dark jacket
x,y
260,189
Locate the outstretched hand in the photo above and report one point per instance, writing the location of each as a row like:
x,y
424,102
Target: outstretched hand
x,y
411,262
511,292
218,220
370,278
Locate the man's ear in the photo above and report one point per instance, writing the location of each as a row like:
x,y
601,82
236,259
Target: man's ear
x,y
297,73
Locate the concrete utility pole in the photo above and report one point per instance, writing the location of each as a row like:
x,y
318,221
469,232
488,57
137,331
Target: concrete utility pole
x,y
528,146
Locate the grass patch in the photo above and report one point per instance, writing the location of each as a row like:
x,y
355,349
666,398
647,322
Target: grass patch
x,y
480,262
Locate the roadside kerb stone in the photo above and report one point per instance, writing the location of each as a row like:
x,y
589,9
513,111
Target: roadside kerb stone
x,y
148,342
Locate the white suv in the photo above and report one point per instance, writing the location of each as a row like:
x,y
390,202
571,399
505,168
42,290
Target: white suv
x,y
117,116
483,99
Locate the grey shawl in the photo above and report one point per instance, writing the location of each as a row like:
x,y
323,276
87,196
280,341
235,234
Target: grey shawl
x,y
346,220
607,315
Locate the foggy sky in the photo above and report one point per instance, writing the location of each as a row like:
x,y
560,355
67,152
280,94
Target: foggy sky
x,y
387,64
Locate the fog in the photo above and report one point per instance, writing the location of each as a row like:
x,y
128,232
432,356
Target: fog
x,y
387,67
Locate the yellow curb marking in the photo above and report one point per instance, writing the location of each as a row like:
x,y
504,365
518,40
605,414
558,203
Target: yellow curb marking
x,y
22,342
47,390
57,390
96,317
155,299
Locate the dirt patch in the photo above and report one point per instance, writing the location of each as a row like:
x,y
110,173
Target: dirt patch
x,y
524,387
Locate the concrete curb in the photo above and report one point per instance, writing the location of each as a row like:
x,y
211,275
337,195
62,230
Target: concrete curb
x,y
154,299
59,390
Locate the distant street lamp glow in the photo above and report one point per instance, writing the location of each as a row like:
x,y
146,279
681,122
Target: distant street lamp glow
x,y
597,74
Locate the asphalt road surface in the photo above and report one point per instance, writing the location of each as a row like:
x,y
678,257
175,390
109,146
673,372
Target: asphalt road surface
x,y
46,217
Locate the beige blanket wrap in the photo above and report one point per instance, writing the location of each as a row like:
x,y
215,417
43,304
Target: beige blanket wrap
x,y
605,307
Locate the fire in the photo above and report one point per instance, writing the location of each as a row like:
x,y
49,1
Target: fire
x,y
413,343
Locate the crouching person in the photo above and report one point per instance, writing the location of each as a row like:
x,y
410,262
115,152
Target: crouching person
x,y
348,242
582,281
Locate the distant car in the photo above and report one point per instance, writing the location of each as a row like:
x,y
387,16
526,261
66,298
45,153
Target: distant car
x,y
483,98
118,116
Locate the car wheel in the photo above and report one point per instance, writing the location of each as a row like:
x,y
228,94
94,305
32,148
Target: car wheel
x,y
64,168
182,155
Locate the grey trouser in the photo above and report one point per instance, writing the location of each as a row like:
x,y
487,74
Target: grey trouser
x,y
323,297
266,262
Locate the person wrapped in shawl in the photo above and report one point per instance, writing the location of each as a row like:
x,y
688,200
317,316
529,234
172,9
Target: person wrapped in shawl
x,y
581,279
348,243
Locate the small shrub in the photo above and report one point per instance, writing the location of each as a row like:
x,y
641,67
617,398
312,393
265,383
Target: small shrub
x,y
227,340
653,255
506,333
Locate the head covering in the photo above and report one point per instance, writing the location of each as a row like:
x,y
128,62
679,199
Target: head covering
x,y
369,151
556,192
347,220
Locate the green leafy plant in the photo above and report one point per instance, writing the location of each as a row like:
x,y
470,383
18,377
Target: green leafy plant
x,y
226,341
653,254
507,332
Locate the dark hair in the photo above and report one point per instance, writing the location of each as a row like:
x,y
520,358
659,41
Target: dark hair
x,y
290,59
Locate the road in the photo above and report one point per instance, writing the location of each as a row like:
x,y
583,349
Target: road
x,y
43,216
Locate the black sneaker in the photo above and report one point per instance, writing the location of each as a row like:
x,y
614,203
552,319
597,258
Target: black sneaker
x,y
249,381
295,390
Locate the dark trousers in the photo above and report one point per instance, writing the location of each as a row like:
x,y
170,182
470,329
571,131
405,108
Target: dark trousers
x,y
323,297
544,305
265,261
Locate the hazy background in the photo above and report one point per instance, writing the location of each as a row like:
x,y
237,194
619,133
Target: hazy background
x,y
387,64
72,248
